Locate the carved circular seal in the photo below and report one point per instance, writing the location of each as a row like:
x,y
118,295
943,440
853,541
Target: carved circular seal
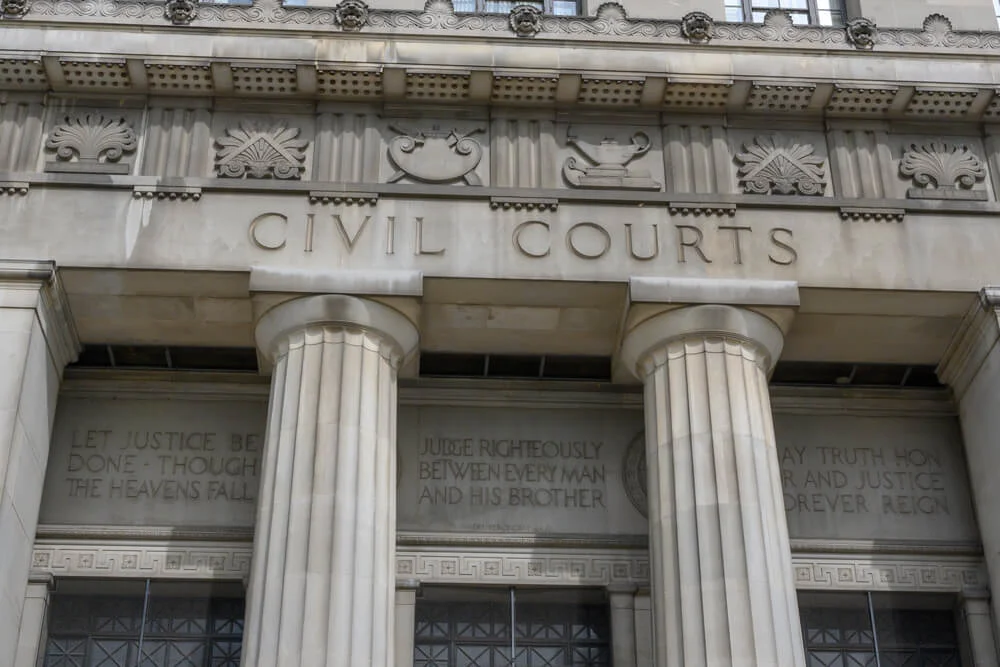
x,y
634,473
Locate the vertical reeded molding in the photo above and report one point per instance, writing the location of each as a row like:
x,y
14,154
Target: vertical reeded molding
x,y
322,584
721,571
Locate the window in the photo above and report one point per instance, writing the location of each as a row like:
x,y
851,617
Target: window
x,y
557,7
996,11
472,628
144,624
878,629
804,12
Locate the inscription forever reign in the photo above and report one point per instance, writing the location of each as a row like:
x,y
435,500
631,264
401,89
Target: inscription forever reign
x,y
512,473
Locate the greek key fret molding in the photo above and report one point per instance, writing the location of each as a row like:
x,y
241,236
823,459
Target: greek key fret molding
x,y
886,574
161,560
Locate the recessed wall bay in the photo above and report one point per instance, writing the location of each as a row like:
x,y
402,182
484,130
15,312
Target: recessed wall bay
x,y
874,478
156,462
503,470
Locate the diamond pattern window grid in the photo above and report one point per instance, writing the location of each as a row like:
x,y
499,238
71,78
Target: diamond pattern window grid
x,y
103,631
477,634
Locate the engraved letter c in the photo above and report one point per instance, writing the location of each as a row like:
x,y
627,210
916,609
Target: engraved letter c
x,y
517,239
264,217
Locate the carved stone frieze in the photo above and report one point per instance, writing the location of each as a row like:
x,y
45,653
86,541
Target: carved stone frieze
x,y
257,150
772,164
180,12
943,170
351,15
91,142
697,27
525,20
435,155
609,159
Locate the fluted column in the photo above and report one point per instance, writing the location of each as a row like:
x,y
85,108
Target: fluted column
x,y
723,592
322,584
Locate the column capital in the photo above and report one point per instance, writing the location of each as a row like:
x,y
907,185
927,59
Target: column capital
x,y
701,322
976,336
36,284
289,317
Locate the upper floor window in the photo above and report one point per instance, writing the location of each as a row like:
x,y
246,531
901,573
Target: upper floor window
x,y
804,12
996,10
556,7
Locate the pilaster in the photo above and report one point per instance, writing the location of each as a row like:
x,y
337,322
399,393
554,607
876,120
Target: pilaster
x,y
34,621
406,618
322,582
621,600
971,366
720,560
37,340
979,624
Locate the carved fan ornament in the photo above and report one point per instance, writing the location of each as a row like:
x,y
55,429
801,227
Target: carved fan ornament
x,y
943,171
98,143
435,155
260,151
777,165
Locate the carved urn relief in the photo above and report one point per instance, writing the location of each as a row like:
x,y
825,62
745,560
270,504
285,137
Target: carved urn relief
x,y
608,163
435,155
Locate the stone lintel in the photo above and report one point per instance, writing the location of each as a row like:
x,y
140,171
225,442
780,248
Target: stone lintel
x,y
359,283
976,336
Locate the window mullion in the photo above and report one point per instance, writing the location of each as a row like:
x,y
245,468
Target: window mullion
x,y
748,11
871,619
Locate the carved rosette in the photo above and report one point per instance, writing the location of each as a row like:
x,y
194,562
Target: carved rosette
x,y
697,27
435,155
13,8
943,170
861,32
96,141
351,15
180,12
259,151
777,165
525,20
634,477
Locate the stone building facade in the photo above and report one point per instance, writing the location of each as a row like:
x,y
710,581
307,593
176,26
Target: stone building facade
x,y
484,333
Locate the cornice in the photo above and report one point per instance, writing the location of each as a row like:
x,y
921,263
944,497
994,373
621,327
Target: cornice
x,y
42,290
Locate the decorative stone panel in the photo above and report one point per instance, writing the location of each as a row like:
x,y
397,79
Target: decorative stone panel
x,y
780,164
517,89
262,146
103,75
697,96
270,81
617,92
449,87
943,170
941,103
349,84
437,152
20,74
615,157
92,142
180,79
779,97
861,101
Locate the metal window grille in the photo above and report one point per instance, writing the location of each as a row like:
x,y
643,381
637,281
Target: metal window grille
x,y
803,12
143,631
862,632
477,633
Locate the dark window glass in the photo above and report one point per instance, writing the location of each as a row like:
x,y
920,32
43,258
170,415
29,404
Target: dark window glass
x,y
162,625
558,7
803,12
472,628
878,630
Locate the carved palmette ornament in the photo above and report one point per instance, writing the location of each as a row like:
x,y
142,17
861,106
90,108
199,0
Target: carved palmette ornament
x,y
435,155
942,170
255,150
777,165
97,143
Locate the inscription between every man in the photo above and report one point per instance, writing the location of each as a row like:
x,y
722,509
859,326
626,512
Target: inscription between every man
x,y
489,472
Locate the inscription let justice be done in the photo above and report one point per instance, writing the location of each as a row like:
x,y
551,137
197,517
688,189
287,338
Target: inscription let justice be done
x,y
165,466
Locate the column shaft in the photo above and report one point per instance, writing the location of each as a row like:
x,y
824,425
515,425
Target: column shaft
x,y
322,583
723,592
622,603
406,618
34,623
